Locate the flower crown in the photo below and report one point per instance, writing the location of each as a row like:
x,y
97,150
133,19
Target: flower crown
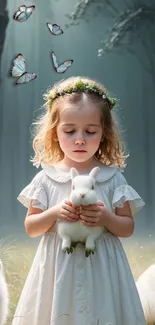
x,y
81,86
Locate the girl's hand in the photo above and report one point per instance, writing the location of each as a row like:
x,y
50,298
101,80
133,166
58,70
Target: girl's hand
x,y
68,212
92,215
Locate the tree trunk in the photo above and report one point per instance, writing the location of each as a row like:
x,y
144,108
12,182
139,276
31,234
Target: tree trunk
x,y
3,24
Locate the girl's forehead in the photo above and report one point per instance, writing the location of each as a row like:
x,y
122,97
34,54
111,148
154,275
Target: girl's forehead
x,y
80,110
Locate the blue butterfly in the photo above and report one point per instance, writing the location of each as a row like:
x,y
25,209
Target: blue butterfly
x,y
63,66
54,29
23,13
19,70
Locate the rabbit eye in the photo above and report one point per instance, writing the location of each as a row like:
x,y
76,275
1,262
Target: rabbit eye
x,y
73,187
92,187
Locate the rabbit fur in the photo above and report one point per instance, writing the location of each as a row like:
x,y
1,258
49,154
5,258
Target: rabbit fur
x,y
146,289
82,193
4,299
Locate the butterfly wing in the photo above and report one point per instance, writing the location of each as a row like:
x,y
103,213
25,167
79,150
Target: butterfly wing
x,y
19,66
55,29
61,69
26,77
21,17
55,63
68,63
20,13
16,15
24,13
22,8
29,11
64,66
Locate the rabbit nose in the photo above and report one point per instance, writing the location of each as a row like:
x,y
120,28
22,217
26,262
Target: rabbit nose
x,y
82,195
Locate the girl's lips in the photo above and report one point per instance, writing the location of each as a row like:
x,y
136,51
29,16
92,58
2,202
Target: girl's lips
x,y
79,150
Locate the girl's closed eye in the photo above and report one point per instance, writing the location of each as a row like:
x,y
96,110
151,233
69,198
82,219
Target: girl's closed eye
x,y
86,131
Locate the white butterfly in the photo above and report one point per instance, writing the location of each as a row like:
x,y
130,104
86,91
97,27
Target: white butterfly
x,y
23,13
55,29
63,66
19,70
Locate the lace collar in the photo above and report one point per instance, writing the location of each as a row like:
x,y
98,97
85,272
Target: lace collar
x,y
58,175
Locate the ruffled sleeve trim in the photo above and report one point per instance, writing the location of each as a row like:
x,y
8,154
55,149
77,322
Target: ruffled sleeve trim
x,y
104,174
34,192
125,193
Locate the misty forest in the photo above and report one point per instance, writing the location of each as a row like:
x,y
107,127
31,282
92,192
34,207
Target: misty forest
x,y
111,41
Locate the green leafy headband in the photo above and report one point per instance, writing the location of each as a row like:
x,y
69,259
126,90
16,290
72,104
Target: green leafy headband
x,y
81,86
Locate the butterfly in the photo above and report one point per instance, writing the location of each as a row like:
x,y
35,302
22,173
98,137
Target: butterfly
x,y
55,29
63,66
19,70
23,13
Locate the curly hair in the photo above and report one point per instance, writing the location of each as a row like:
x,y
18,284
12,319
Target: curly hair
x,y
111,150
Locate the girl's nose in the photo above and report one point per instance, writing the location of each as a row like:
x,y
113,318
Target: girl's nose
x,y
80,141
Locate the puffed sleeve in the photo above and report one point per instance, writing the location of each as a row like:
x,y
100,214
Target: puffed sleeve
x,y
35,192
123,192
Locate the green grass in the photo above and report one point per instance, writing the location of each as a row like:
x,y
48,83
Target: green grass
x,y
17,258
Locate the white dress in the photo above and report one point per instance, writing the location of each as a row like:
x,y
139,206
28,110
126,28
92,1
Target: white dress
x,y
71,289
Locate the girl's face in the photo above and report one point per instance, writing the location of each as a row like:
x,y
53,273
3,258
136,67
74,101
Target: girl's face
x,y
79,128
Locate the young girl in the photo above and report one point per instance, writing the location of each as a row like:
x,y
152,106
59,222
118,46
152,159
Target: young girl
x,y
78,130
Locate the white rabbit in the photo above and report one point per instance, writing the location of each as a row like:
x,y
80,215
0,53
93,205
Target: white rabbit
x,y
83,193
4,299
146,289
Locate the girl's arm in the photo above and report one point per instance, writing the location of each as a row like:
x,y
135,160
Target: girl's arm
x,y
38,222
121,222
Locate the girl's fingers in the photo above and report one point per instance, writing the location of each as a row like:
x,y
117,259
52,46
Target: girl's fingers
x,y
91,207
100,203
89,219
67,219
89,213
69,212
69,208
70,215
71,204
89,224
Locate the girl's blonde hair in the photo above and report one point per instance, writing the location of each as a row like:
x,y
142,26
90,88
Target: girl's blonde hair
x,y
45,143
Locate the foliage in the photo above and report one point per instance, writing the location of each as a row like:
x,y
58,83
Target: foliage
x,y
135,23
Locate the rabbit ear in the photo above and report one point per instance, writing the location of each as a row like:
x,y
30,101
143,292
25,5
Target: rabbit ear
x,y
94,172
74,172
